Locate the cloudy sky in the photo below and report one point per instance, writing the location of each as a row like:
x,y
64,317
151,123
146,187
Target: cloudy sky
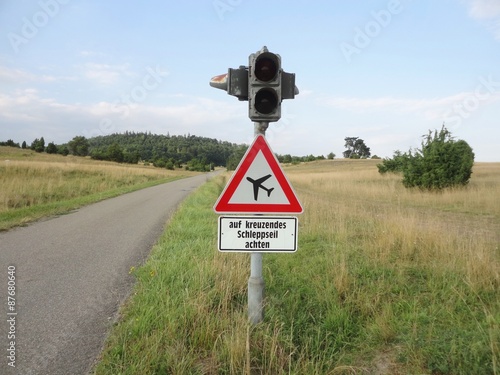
x,y
386,71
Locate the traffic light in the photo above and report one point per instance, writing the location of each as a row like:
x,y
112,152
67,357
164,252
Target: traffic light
x,y
263,83
264,86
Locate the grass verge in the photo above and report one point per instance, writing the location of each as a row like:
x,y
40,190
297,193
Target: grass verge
x,y
36,185
24,215
385,281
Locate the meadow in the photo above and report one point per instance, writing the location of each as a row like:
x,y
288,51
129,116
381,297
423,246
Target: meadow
x,y
386,280
35,185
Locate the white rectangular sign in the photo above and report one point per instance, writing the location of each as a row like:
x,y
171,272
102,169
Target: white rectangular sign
x,y
257,233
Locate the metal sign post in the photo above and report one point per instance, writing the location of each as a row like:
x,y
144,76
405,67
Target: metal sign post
x,y
264,84
256,284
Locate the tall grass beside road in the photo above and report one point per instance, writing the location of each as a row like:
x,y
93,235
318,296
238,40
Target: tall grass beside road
x,y
34,185
385,281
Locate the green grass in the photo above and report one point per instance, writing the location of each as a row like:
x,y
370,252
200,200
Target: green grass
x,y
339,305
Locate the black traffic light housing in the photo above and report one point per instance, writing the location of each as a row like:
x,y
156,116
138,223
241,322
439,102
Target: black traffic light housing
x,y
264,86
263,83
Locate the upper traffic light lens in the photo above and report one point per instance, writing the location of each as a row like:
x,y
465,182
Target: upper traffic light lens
x,y
266,69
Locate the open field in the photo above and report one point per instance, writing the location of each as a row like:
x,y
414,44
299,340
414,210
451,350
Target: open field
x,y
385,281
34,185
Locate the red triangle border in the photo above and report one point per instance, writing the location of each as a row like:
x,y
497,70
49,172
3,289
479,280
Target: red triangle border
x,y
223,206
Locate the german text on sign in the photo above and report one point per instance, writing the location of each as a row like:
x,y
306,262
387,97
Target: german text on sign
x,y
257,233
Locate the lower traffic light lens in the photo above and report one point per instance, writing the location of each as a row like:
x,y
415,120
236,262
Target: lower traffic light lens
x,y
266,101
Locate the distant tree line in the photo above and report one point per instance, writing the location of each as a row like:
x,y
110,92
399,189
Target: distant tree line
x,y
163,151
166,151
441,162
38,145
303,159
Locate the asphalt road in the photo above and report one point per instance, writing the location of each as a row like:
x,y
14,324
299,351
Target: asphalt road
x,y
72,274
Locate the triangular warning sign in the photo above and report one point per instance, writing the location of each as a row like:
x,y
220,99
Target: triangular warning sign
x,y
258,185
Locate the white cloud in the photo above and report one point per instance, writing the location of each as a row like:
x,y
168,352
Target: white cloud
x,y
488,12
389,140
9,75
18,76
106,74
88,53
431,109
484,8
27,113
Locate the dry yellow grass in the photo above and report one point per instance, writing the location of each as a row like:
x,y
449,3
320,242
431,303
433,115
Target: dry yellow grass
x,y
457,229
27,183
30,180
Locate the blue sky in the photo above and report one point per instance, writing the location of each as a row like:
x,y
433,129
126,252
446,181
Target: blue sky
x,y
385,71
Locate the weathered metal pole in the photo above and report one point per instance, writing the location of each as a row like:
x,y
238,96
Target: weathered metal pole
x,y
256,283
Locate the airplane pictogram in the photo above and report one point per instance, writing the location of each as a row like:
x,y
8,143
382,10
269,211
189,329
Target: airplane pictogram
x,y
257,184
237,197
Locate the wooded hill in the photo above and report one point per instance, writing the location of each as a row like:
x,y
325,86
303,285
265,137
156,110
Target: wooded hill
x,y
197,153
165,151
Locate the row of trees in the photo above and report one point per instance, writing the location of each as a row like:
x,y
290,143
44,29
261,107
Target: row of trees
x,y
440,163
285,159
164,151
37,145
159,149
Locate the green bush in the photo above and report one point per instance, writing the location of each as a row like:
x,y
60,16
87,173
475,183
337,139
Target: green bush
x,y
441,163
394,165
51,148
